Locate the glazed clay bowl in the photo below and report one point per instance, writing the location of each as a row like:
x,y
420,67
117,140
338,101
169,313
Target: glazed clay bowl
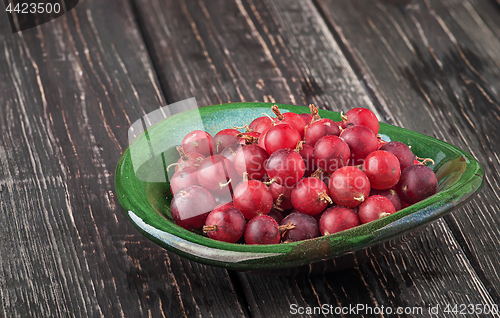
x,y
143,191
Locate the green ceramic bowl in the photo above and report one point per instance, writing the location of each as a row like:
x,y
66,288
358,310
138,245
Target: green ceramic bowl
x,y
143,191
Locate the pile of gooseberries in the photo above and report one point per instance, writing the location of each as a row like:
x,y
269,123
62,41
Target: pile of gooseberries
x,y
294,177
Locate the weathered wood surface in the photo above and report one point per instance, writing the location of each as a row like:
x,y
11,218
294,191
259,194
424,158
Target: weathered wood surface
x,y
436,66
68,91
282,51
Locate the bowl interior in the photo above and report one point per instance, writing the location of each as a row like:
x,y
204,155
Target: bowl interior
x,y
143,190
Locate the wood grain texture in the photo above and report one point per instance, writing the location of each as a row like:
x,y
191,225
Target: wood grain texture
x,y
282,51
435,65
68,90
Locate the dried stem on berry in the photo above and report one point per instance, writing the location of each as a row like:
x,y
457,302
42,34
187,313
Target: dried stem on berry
x,y
172,165
222,185
248,139
208,228
344,118
244,127
285,227
278,202
317,174
425,160
360,198
245,176
299,146
182,153
277,112
268,183
314,113
325,198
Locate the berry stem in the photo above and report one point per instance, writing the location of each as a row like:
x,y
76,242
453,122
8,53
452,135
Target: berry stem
x,y
324,197
222,185
277,112
248,139
208,228
344,118
360,198
245,176
299,146
268,183
244,127
316,174
425,160
285,227
314,113
278,202
272,119
172,165
182,153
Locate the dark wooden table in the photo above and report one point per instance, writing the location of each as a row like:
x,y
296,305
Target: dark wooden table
x,y
70,88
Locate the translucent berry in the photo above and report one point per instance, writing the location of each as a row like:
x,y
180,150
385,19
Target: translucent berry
x,y
225,138
252,198
382,168
281,136
199,141
262,229
320,128
183,178
251,159
336,219
286,167
299,226
310,196
190,207
349,186
416,183
375,207
390,194
361,117
331,153
227,225
361,141
401,151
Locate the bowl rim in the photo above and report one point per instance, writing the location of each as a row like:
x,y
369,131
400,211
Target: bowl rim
x,y
202,249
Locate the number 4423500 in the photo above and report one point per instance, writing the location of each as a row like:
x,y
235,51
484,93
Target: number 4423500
x,y
34,8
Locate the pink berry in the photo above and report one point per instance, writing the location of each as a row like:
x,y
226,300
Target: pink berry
x,y
281,136
320,128
416,183
262,229
251,159
285,166
336,219
375,207
252,198
199,141
362,117
382,168
227,225
190,207
349,186
331,153
310,196
361,141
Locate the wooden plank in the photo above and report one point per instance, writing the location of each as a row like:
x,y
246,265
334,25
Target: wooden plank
x,y
282,51
435,65
69,90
